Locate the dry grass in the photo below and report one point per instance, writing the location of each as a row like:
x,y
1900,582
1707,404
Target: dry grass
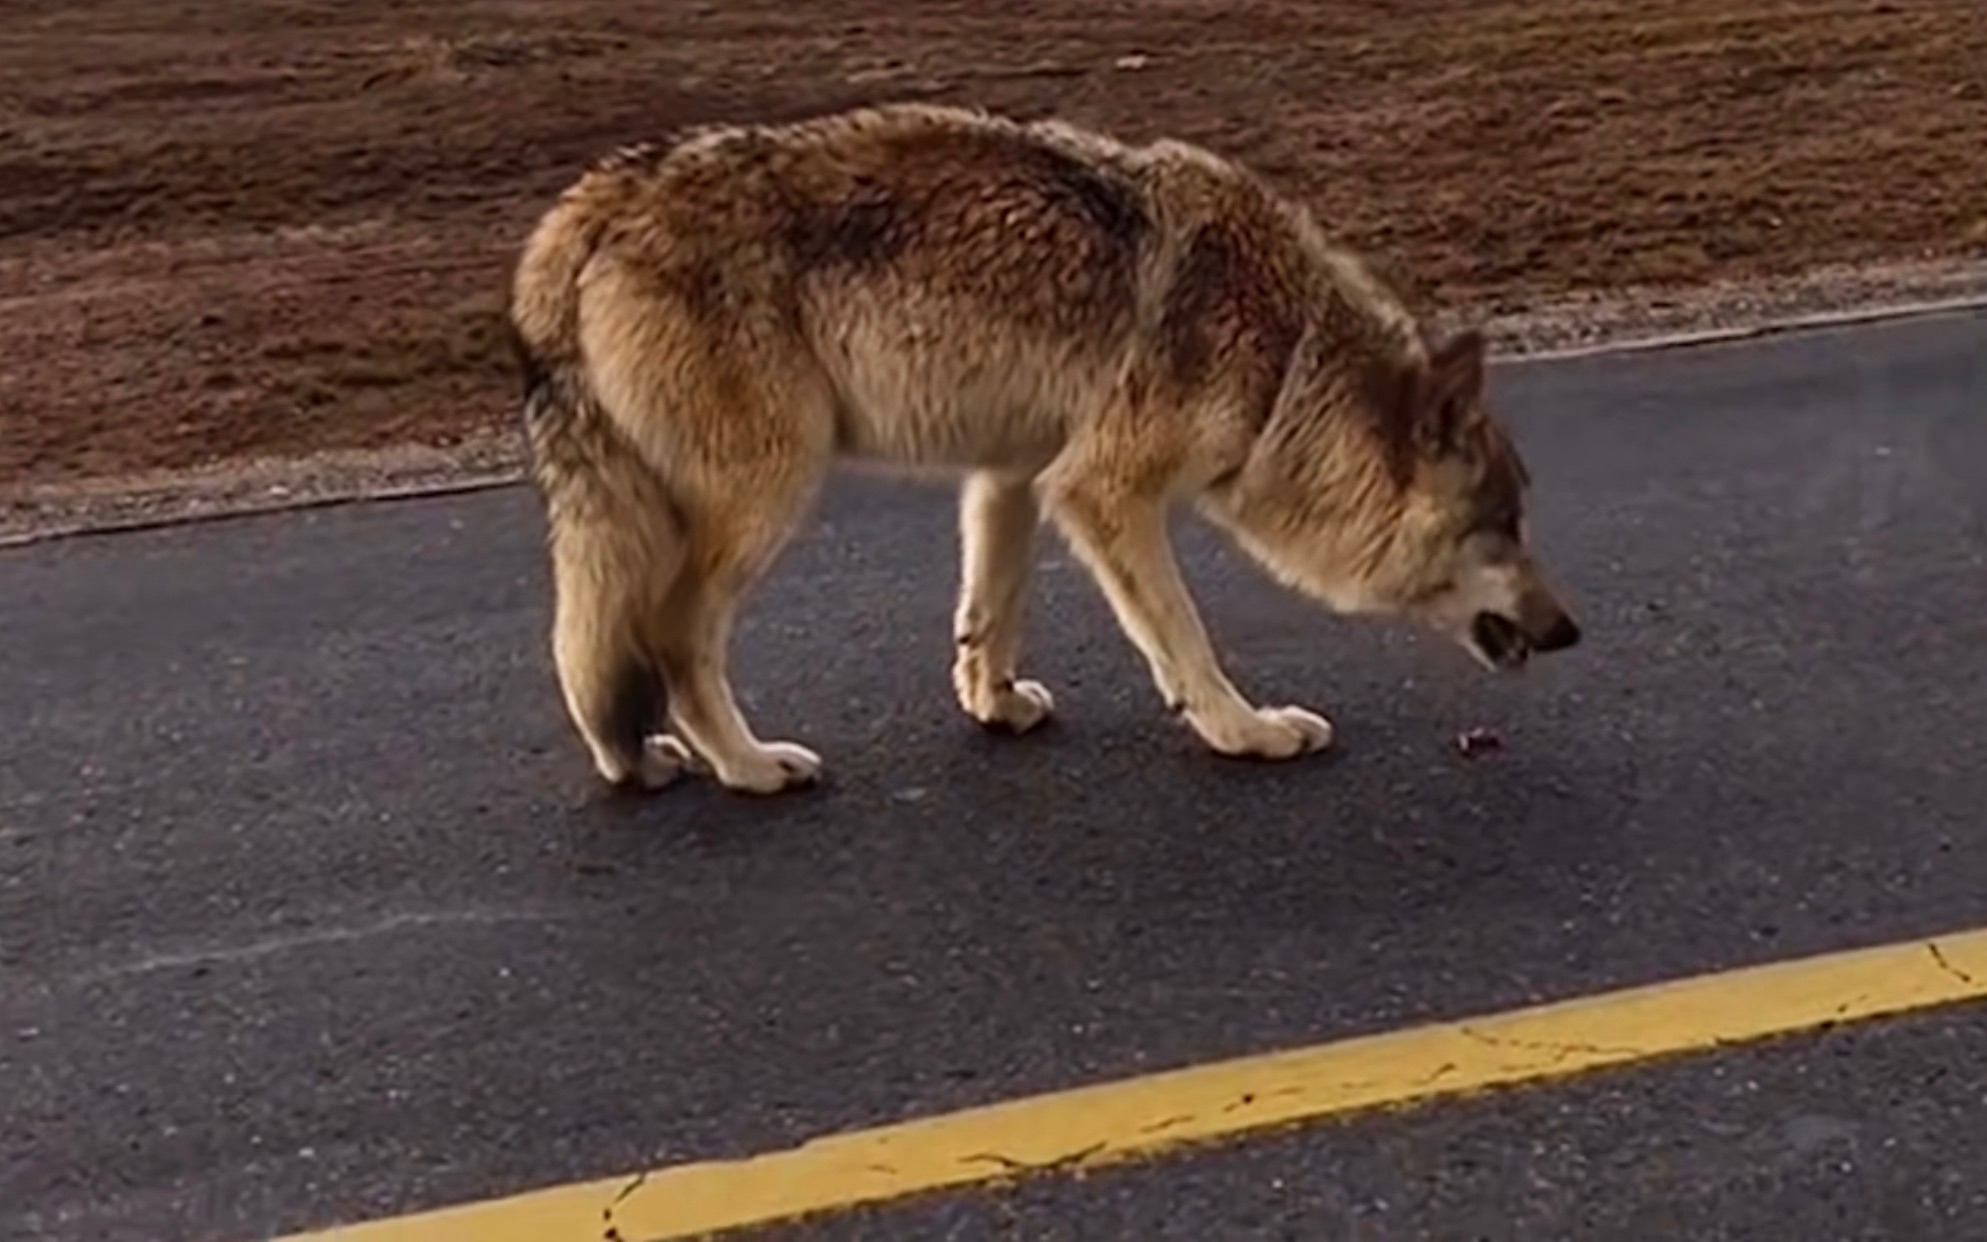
x,y
278,227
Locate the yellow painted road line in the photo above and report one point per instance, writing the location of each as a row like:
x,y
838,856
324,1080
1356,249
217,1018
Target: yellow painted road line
x,y
1112,1121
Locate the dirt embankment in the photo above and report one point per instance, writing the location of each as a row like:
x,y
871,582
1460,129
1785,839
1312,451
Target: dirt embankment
x,y
232,230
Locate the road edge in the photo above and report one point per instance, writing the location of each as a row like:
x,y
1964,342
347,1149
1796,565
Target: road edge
x,y
259,487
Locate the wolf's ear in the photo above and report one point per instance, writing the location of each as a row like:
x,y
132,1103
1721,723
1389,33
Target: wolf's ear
x,y
1455,387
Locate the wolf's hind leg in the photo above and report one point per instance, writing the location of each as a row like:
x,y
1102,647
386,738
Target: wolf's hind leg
x,y
691,637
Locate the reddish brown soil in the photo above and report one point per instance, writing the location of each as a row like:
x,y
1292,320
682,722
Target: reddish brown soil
x,y
234,228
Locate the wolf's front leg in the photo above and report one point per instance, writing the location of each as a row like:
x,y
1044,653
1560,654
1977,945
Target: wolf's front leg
x,y
997,520
1121,537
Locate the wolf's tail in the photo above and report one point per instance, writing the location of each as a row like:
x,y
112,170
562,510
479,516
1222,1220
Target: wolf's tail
x,y
615,538
544,310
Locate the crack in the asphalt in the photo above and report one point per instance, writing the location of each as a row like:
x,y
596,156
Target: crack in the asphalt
x,y
317,937
1559,1051
612,1232
1011,1165
1938,955
1166,1123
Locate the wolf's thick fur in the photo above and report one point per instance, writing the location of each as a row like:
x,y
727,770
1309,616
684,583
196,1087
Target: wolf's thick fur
x,y
1079,327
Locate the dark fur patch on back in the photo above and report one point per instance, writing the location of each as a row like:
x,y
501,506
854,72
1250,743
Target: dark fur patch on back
x,y
866,229
1224,304
1085,223
1108,203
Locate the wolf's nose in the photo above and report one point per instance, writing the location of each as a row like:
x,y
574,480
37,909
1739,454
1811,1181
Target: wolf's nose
x,y
1560,635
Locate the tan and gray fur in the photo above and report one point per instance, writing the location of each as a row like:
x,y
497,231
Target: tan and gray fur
x,y
1076,327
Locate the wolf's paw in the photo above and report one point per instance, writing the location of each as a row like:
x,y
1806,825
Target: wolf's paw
x,y
1017,707
663,761
772,768
1268,733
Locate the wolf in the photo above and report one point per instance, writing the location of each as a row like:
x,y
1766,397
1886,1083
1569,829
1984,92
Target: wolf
x,y
1073,326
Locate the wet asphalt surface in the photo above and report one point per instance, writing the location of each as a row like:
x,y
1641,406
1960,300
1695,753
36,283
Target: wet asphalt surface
x,y
310,911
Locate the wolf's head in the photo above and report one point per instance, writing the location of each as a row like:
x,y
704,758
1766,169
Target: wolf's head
x,y
1459,561
1388,488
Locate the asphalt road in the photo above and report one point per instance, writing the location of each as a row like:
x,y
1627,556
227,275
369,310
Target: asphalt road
x,y
309,909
